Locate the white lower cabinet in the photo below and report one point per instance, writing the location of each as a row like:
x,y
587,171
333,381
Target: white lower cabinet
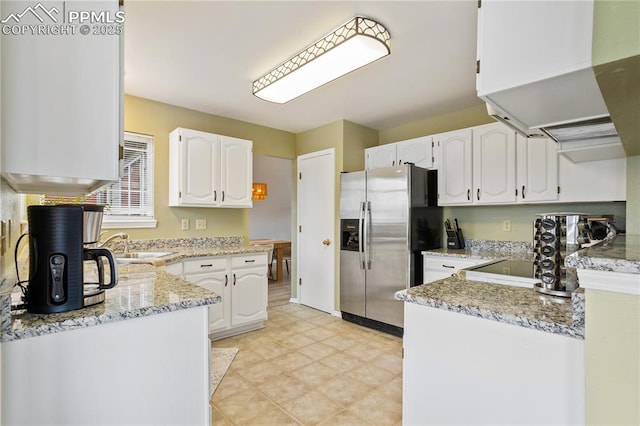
x,y
241,281
438,267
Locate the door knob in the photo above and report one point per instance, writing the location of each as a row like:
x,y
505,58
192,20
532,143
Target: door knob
x,y
326,242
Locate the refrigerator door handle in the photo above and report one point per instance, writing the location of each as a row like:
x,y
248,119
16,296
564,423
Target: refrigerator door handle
x,y
361,235
367,230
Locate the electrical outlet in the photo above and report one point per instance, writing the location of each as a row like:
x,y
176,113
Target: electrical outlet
x,y
184,224
506,225
201,223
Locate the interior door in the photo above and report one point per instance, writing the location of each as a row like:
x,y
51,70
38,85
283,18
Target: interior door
x,y
316,230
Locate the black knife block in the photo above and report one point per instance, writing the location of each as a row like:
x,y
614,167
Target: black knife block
x,y
455,240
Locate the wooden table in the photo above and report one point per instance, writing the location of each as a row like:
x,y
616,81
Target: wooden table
x,y
279,247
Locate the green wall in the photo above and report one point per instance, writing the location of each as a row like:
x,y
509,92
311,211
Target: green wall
x,y
159,119
468,117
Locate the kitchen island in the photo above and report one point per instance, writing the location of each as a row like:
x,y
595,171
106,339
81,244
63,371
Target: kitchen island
x,y
477,352
610,277
141,357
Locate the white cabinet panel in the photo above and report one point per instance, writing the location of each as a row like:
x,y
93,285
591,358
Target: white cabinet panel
x,y
380,156
418,151
537,169
455,172
494,164
439,267
593,180
209,170
241,281
62,104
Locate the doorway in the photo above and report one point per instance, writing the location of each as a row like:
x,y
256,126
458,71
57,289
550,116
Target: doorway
x,y
270,219
316,229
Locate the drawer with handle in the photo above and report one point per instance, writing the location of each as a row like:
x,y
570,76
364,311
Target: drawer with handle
x,y
438,267
257,259
205,264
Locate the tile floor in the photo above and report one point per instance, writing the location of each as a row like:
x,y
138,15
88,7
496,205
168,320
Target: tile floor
x,y
307,367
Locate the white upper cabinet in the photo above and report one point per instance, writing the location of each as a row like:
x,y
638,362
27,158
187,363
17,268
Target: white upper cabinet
x,y
380,156
494,164
208,170
455,171
535,64
537,169
62,104
418,151
236,167
477,166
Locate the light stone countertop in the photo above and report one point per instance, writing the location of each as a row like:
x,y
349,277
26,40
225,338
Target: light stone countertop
x,y
507,304
487,250
620,255
518,306
143,289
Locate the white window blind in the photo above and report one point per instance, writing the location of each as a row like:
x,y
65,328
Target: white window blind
x,y
132,195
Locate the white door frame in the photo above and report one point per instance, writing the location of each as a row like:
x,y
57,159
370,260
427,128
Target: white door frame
x,y
331,153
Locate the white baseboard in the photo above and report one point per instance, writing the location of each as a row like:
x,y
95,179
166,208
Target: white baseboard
x,y
337,314
294,300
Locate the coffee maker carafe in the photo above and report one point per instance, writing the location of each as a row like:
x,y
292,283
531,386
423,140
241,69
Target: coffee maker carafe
x,y
56,260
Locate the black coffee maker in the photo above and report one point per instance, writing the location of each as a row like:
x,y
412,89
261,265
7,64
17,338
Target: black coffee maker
x,y
56,259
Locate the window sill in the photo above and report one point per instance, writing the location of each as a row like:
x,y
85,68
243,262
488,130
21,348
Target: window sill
x,y
129,223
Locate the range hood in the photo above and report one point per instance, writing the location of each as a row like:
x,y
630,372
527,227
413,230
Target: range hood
x,y
569,109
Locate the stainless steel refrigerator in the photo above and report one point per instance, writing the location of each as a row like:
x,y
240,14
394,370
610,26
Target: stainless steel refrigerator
x,y
388,216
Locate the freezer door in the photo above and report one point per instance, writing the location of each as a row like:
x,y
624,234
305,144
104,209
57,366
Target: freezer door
x,y
351,283
352,194
388,251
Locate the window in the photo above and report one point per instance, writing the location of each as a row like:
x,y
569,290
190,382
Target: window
x,y
130,200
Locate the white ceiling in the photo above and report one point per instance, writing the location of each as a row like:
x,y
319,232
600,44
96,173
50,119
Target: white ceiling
x,y
205,55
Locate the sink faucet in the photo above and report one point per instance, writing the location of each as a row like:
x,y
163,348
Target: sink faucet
x,y
123,235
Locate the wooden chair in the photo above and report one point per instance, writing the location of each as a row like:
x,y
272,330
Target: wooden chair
x,y
269,257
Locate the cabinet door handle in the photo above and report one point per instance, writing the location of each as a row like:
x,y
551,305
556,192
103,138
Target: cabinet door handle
x,y
522,191
469,194
223,196
215,195
226,280
249,261
478,194
447,266
393,163
234,279
207,266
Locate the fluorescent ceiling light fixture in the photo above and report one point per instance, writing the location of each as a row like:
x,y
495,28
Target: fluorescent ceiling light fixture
x,y
351,46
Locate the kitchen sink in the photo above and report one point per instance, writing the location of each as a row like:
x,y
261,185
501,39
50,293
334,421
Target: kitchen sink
x,y
140,256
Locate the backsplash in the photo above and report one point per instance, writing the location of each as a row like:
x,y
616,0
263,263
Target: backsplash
x,y
499,246
195,242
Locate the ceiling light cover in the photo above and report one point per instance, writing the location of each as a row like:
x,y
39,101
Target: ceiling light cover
x,y
351,46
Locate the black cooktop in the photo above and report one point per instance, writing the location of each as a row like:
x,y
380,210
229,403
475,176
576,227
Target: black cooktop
x,y
515,268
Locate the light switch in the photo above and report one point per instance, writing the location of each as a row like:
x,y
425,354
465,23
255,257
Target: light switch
x,y
201,223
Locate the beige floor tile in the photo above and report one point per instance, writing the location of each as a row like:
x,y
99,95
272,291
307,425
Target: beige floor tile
x,y
230,385
217,419
312,408
245,405
272,416
296,341
344,390
260,373
292,361
340,341
390,362
371,375
378,409
319,333
245,358
321,369
283,388
345,418
341,362
271,350
317,351
314,375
